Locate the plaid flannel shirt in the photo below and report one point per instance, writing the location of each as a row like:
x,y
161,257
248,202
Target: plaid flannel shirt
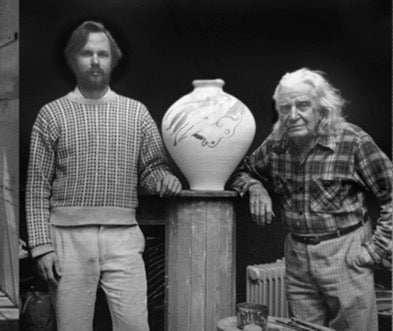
x,y
90,154
327,191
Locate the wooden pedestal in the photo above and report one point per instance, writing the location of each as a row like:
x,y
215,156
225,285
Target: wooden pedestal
x,y
201,260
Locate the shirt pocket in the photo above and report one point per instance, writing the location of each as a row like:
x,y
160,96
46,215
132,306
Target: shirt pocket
x,y
283,188
332,196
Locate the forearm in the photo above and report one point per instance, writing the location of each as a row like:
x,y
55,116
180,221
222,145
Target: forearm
x,y
153,163
153,166
37,219
38,192
242,181
376,170
249,173
39,237
380,245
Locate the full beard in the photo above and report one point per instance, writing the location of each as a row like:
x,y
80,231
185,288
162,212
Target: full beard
x,y
89,81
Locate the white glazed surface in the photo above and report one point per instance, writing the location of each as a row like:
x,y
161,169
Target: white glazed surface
x,y
207,132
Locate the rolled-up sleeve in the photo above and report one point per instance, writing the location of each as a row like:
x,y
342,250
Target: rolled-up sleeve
x,y
252,170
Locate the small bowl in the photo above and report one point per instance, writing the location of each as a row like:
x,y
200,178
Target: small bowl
x,y
251,313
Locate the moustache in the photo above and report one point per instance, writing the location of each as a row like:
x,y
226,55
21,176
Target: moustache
x,y
95,71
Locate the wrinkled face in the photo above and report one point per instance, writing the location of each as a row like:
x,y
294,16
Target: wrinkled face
x,y
297,110
93,63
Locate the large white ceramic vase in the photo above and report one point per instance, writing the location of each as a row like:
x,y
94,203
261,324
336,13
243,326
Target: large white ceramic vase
x,y
207,133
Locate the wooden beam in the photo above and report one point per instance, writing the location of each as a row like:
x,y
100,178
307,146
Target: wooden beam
x,y
8,39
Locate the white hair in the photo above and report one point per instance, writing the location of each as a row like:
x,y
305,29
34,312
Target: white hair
x,y
329,101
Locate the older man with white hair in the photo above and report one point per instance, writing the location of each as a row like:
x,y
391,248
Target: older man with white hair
x,y
321,168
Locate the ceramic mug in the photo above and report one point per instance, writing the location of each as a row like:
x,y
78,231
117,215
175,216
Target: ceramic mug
x,y
251,313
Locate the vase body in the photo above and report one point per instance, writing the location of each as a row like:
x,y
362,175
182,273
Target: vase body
x,y
207,133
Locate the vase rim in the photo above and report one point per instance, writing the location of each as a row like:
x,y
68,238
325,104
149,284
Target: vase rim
x,y
218,82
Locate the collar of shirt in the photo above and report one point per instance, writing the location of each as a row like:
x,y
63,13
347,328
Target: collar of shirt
x,y
327,141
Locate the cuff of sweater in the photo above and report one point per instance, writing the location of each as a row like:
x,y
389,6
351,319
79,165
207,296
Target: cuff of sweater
x,y
150,184
41,250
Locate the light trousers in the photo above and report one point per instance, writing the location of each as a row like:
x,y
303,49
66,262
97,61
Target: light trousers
x,y
326,287
106,256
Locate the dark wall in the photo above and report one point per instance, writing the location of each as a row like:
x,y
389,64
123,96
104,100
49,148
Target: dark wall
x,y
248,43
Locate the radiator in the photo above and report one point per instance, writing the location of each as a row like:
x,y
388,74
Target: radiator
x,y
265,284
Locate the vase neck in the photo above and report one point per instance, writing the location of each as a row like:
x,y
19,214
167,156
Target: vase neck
x,y
205,88
208,83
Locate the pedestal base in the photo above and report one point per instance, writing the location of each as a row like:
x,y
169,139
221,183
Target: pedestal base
x,y
201,270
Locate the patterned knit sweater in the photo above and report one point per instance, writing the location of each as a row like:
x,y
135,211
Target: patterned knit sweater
x,y
87,158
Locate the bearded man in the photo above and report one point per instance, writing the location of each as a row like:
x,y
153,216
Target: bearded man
x,y
89,152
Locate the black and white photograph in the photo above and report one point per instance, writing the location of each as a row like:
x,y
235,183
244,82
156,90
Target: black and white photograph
x,y
177,165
